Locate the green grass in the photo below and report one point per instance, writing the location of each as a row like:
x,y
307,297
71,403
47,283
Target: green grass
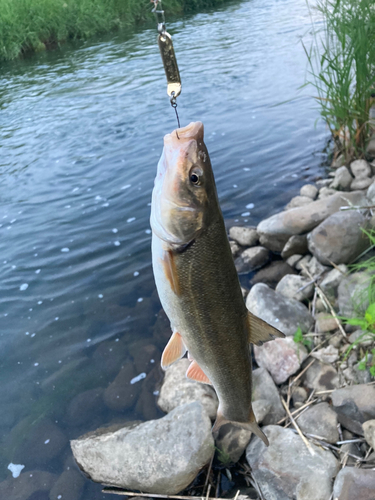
x,y
341,62
33,25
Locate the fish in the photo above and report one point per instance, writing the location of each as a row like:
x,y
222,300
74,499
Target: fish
x,y
197,281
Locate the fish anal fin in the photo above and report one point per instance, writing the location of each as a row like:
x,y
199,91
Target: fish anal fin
x,y
170,271
195,372
260,331
251,425
173,351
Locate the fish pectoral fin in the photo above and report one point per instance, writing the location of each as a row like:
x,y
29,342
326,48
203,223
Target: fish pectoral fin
x,y
251,425
173,351
260,331
170,272
195,372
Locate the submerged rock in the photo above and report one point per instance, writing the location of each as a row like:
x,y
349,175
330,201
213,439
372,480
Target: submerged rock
x,y
282,313
286,470
30,484
178,390
122,393
69,486
352,483
159,456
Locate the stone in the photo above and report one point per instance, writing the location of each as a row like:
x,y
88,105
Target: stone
x,y
314,267
244,236
69,486
299,396
178,390
293,259
361,338
321,421
144,355
326,192
286,470
327,355
342,179
252,258
287,315
352,483
43,442
160,456
81,408
304,262
264,389
369,432
362,173
261,408
145,406
235,249
332,279
352,294
294,286
272,273
122,394
275,231
30,484
281,357
309,190
110,356
338,161
339,239
295,244
321,377
370,148
371,193
354,405
298,201
162,329
325,322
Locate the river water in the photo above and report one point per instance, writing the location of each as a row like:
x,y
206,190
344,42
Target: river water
x,y
81,134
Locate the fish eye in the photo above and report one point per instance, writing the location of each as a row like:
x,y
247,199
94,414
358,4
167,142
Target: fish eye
x,y
195,175
194,178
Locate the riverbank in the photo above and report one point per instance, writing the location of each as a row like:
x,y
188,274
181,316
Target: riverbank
x,y
34,25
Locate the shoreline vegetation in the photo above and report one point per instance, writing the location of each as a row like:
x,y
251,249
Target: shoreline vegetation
x,y
28,26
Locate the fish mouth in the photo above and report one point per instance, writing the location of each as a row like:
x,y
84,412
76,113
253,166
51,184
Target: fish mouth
x,y
194,130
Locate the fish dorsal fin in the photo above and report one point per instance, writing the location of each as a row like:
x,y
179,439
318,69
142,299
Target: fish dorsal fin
x,y
260,331
173,351
170,272
195,372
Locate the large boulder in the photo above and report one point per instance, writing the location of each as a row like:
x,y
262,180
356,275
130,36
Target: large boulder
x,y
339,239
159,456
286,470
287,315
275,231
178,390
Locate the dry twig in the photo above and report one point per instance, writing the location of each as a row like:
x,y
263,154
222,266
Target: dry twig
x,y
308,446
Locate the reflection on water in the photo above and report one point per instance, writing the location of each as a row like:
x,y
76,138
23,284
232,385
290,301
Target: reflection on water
x,y
81,133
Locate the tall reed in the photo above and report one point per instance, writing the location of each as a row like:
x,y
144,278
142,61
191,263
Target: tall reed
x,y
341,61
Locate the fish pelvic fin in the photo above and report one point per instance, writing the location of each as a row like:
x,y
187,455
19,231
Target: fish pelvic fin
x,y
195,372
251,425
173,351
260,331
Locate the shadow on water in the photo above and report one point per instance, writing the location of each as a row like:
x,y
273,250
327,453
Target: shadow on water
x,y
81,133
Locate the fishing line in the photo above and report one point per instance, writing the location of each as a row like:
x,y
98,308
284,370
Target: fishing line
x,y
168,57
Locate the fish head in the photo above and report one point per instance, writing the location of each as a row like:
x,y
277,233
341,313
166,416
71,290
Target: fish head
x,y
184,196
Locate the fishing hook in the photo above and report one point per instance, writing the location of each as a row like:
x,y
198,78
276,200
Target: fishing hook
x,y
174,106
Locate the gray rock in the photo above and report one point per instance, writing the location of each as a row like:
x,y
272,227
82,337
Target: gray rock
x,y
323,183
178,390
69,486
321,377
325,322
81,408
159,456
261,408
28,485
272,273
338,161
299,396
245,236
352,483
286,470
281,357
362,173
309,190
361,183
342,179
326,192
298,201
264,389
332,279
252,258
370,149
354,405
293,259
304,262
144,355
339,238
275,231
282,313
235,248
327,355
352,294
121,394
371,193
294,286
321,421
369,432
295,244
314,267
361,338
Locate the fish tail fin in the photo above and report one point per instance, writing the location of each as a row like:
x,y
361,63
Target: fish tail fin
x,y
251,425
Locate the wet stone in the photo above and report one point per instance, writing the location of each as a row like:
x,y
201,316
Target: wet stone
x,y
321,421
146,405
353,483
121,394
244,236
109,356
145,356
272,273
82,407
31,484
177,390
69,486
